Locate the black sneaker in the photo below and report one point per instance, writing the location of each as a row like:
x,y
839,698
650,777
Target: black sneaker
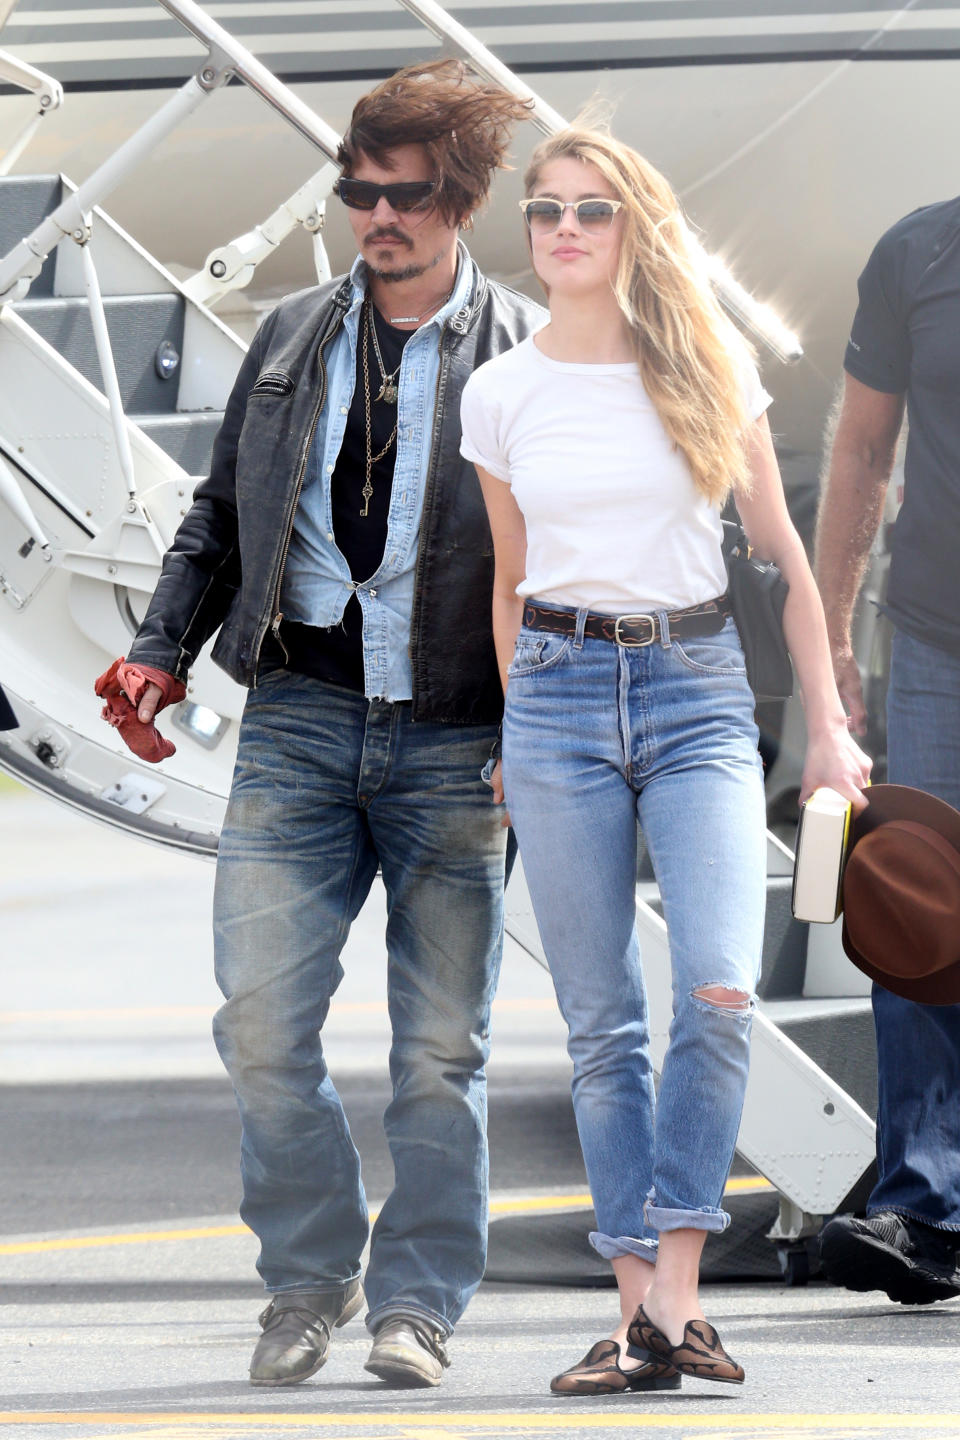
x,y
915,1264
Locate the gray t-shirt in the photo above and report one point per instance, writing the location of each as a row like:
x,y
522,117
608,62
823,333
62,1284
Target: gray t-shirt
x,y
906,339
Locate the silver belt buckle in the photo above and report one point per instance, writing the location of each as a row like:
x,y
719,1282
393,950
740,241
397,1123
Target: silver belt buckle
x,y
635,644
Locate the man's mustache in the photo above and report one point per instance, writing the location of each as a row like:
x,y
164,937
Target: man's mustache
x,y
387,232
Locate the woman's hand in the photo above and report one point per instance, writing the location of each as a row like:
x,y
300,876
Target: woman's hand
x,y
834,758
496,785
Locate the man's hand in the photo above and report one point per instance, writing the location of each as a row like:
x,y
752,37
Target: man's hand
x,y
133,694
847,673
496,785
148,705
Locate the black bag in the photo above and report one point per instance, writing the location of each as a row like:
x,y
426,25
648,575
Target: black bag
x,y
758,593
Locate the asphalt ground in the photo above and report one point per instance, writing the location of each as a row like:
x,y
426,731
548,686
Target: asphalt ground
x,y
128,1294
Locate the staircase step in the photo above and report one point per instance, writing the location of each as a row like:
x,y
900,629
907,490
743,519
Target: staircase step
x,y
784,944
187,438
25,200
137,325
838,1035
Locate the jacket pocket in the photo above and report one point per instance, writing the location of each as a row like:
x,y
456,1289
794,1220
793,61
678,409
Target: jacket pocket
x,y
274,383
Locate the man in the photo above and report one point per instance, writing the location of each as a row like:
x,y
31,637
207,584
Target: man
x,y
905,350
341,545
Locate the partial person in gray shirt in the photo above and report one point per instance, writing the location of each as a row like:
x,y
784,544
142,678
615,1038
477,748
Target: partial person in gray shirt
x,y
904,356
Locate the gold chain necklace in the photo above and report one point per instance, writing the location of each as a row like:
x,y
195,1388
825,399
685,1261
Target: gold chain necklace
x,y
371,459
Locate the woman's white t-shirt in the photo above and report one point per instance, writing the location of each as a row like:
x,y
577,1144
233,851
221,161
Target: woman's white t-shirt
x,y
613,518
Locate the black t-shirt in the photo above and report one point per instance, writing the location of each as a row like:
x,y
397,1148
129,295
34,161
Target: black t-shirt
x,y
906,339
336,654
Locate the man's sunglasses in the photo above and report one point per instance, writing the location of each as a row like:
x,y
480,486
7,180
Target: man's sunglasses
x,y
403,197
544,216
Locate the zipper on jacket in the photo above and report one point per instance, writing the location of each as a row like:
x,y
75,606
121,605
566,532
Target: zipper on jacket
x,y
442,374
275,627
476,305
277,613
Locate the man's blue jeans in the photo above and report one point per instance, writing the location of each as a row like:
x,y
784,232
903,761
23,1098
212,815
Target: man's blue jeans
x,y
328,786
918,1046
595,738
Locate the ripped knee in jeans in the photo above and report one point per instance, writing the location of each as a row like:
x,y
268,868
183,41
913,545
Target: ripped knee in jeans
x,y
724,999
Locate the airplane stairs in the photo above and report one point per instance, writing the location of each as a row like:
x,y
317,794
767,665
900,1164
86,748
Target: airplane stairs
x,y
83,537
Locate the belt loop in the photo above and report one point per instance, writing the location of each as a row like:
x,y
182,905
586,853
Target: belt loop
x,y
664,621
582,614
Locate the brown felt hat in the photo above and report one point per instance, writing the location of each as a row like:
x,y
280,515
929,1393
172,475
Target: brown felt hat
x,y
901,894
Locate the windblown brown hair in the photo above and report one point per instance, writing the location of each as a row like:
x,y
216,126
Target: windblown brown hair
x,y
462,123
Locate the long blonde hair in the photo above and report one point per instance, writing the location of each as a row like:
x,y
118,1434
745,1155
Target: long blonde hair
x,y
691,356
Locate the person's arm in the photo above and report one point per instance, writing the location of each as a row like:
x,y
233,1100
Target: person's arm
x,y
861,459
201,570
510,566
833,758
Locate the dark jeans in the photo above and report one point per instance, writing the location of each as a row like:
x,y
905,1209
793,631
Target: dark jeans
x,y
918,1046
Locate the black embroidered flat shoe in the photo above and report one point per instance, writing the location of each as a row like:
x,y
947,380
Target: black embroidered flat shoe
x,y
600,1373
699,1353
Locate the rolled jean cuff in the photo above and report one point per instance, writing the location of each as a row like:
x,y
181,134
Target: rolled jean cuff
x,y
613,1248
383,1313
945,1227
661,1218
312,1287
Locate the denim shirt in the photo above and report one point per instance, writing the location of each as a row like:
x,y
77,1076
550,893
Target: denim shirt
x,y
317,583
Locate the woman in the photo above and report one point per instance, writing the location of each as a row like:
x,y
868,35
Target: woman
x,y
619,429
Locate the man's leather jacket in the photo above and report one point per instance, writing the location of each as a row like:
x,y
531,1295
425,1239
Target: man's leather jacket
x,y
226,562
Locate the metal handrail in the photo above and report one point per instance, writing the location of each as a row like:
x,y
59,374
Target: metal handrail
x,y
465,45
49,94
231,267
255,74
225,57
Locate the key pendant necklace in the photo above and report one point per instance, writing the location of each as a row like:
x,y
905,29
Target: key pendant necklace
x,y
388,388
369,458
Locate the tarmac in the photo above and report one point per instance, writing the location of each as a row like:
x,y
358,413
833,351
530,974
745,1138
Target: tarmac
x,y
128,1293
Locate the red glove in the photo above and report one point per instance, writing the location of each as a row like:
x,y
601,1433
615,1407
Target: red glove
x,y
123,687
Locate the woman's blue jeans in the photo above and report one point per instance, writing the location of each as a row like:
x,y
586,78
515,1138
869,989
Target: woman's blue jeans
x,y
597,736
328,786
918,1046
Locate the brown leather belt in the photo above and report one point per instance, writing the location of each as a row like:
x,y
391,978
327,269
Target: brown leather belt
x,y
632,631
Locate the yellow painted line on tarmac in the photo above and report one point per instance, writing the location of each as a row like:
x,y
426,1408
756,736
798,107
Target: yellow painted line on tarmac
x,y
455,1424
136,1237
521,1205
